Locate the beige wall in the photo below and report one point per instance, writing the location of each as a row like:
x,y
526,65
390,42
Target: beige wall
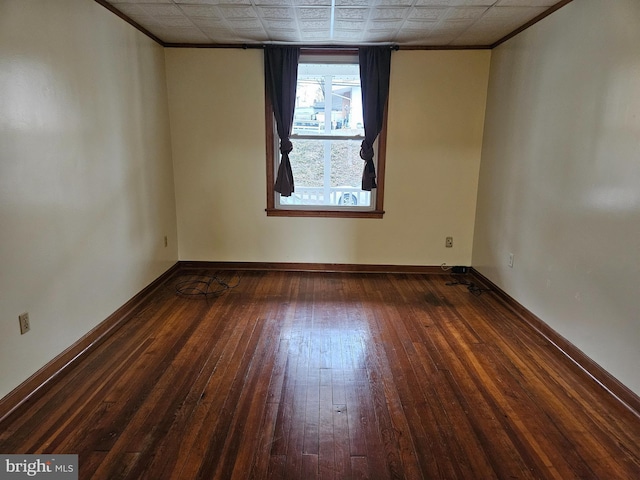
x,y
560,178
436,111
86,188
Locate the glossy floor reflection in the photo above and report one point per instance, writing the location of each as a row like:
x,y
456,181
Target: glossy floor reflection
x,y
330,376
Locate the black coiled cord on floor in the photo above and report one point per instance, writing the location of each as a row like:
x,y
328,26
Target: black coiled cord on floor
x,y
203,285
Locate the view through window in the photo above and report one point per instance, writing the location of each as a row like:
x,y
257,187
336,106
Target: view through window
x,y
327,133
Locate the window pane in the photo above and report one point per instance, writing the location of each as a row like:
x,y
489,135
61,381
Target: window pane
x,y
346,164
307,163
317,111
327,172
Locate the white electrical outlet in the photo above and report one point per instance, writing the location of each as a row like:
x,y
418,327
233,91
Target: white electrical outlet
x,y
448,242
511,260
25,326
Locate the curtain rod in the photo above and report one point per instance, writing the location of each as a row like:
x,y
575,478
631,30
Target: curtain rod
x,y
319,47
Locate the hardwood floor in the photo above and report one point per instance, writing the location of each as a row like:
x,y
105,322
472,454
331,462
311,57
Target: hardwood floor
x,y
341,375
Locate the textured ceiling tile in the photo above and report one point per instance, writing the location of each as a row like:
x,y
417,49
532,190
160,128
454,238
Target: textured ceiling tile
x,y
217,33
282,36
431,40
313,13
276,12
464,13
349,25
389,13
514,14
478,39
385,24
349,35
161,10
315,25
416,26
410,36
180,35
526,3
245,23
177,21
312,3
382,34
351,13
496,24
352,3
196,2
456,3
237,12
250,35
427,14
375,37
146,20
201,11
215,2
452,28
131,9
279,24
414,38
314,35
482,28
207,22
139,1
394,3
272,3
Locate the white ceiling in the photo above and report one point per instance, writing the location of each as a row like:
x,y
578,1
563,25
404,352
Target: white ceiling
x,y
425,23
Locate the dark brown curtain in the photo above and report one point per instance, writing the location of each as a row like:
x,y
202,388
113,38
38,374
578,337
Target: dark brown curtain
x,y
375,66
281,76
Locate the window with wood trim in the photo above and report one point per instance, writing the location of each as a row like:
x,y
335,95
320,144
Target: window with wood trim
x,y
326,136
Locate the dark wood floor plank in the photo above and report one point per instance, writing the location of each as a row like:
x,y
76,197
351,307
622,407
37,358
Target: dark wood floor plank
x,y
326,441
223,413
151,422
93,375
484,416
538,378
240,445
442,415
310,467
177,438
402,461
312,414
211,389
323,376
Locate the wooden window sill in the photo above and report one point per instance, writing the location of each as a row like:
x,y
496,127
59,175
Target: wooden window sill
x,y
280,212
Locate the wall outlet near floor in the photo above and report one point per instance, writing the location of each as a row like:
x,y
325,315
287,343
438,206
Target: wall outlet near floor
x,y
166,241
25,326
448,242
511,260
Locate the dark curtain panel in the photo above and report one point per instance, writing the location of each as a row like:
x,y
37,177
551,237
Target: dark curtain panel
x,y
375,66
281,76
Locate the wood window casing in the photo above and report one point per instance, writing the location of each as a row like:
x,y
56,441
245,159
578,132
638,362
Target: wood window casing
x,y
271,141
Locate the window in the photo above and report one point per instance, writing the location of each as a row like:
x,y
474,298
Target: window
x,y
327,133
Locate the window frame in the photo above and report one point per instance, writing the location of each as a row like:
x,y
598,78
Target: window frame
x,y
272,154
